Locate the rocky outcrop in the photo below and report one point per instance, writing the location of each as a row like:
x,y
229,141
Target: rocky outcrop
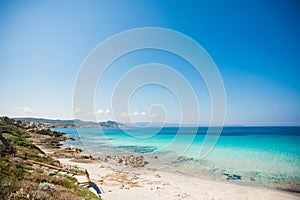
x,y
52,138
33,127
128,160
110,124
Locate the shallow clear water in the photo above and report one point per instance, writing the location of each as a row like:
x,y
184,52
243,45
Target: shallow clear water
x,y
260,155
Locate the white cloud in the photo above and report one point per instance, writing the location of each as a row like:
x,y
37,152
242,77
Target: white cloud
x,y
23,109
107,111
99,112
102,112
143,113
135,113
124,114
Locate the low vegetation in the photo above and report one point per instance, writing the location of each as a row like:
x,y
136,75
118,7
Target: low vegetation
x,y
22,178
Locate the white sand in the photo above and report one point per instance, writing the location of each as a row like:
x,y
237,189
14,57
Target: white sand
x,y
167,186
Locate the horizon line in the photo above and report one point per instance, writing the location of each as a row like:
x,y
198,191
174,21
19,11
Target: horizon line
x,y
167,124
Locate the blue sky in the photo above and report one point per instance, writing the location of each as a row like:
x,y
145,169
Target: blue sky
x,y
255,45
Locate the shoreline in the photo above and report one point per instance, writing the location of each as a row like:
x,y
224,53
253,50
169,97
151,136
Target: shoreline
x,y
27,172
120,182
139,184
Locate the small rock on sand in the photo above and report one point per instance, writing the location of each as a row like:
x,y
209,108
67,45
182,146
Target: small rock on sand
x,y
157,175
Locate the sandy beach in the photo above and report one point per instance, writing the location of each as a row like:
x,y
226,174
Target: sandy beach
x,y
116,184
150,100
113,181
131,176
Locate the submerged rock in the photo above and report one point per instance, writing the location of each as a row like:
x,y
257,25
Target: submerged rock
x,y
128,160
232,176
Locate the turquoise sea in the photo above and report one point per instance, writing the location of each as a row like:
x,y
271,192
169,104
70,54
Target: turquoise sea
x,y
266,156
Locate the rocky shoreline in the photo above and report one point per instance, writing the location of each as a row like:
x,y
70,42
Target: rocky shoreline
x,y
50,140
128,160
28,172
117,179
45,136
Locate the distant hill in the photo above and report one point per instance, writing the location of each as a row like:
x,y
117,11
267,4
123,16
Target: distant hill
x,y
153,124
111,124
57,123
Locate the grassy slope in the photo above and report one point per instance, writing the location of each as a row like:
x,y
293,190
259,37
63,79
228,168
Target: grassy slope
x,y
20,179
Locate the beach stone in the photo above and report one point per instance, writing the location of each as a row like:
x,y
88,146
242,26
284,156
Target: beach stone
x,y
232,176
47,186
157,175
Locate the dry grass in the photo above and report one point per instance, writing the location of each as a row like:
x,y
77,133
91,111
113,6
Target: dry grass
x,y
20,179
